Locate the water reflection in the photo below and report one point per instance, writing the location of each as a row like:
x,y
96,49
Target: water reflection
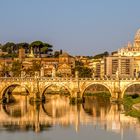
x,y
96,111
56,106
96,106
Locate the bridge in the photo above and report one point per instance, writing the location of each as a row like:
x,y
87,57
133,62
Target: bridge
x,y
36,86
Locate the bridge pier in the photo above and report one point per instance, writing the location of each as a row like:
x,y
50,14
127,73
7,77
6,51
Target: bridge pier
x,y
76,97
36,97
116,97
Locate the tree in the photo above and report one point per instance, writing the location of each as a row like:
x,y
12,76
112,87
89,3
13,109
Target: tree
x,y
79,63
84,72
36,66
16,68
47,49
5,71
9,47
37,45
41,48
23,45
56,54
98,56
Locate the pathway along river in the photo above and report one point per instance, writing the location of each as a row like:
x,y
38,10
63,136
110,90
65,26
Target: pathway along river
x,y
56,119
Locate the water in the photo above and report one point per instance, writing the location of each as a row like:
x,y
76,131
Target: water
x,y
96,119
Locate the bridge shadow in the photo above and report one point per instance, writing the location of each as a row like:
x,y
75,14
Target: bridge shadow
x,y
56,106
17,109
96,100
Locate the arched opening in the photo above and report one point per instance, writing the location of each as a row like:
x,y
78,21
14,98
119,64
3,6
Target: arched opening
x,y
96,100
15,94
16,100
56,90
56,101
97,89
132,90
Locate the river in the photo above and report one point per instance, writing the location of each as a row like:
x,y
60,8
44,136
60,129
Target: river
x,y
56,119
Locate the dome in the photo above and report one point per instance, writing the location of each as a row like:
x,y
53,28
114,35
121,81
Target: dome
x,y
137,36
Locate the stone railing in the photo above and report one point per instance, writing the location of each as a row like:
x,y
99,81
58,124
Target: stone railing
x,y
61,79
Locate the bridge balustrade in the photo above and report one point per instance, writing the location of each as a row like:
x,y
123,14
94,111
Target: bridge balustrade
x,y
59,79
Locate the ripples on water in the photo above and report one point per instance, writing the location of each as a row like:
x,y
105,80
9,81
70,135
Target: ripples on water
x,y
96,119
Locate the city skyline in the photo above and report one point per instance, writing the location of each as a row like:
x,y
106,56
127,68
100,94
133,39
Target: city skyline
x,y
80,28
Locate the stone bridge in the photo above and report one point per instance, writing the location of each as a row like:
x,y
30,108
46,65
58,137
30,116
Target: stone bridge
x,y
76,86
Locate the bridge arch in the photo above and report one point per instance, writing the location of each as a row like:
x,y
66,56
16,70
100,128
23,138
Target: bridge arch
x,y
90,84
128,86
58,85
4,90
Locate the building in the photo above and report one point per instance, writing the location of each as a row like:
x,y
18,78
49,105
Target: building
x,y
125,62
62,65
121,64
66,64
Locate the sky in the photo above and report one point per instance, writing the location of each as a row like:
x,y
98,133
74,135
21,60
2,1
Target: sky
x,y
80,27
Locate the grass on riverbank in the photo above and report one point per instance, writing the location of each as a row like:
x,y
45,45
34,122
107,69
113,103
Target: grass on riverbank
x,y
129,101
104,95
99,94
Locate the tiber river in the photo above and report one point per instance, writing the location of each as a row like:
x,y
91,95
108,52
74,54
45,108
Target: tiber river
x,y
56,119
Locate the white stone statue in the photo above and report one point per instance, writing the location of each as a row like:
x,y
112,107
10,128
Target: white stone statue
x,y
54,72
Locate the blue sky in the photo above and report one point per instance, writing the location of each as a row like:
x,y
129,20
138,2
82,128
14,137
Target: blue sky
x,y
81,27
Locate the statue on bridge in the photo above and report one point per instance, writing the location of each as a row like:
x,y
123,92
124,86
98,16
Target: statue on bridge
x,y
76,74
53,72
117,74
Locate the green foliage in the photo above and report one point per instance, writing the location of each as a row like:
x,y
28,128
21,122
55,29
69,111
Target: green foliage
x,y
133,113
134,96
56,54
38,47
129,101
79,64
101,94
5,70
16,68
98,56
23,45
29,72
36,43
84,72
44,49
9,56
9,47
36,66
47,49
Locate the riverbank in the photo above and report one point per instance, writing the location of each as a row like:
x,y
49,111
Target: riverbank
x,y
132,105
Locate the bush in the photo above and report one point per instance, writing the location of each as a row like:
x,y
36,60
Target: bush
x,y
134,96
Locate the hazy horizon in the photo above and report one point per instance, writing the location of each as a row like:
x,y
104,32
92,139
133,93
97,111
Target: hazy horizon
x,y
79,27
